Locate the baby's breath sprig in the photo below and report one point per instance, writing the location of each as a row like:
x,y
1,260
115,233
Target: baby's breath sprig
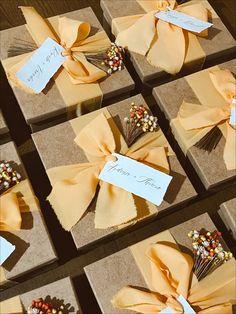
x,y
138,122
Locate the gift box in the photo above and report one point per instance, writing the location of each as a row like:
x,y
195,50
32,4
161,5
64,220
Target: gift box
x,y
212,166
33,247
50,106
128,267
4,131
56,147
58,293
215,47
227,212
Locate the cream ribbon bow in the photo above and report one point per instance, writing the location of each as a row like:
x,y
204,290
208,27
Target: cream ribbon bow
x,y
172,276
74,36
198,120
166,46
74,186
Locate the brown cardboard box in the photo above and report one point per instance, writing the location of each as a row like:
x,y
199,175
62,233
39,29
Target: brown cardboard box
x,y
56,147
227,212
58,293
4,131
48,107
209,166
108,275
34,248
219,43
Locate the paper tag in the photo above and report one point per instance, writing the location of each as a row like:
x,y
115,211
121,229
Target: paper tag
x,y
137,178
6,248
41,67
187,308
232,120
183,20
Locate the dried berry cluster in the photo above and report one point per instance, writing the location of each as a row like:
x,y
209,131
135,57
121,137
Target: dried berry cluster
x,y
114,58
8,176
208,252
38,306
139,121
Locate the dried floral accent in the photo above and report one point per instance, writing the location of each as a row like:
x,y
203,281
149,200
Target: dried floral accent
x,y
110,61
138,122
8,176
208,252
38,306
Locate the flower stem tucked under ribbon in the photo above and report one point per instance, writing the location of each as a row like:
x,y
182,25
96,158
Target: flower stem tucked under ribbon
x,y
74,186
171,273
166,46
196,121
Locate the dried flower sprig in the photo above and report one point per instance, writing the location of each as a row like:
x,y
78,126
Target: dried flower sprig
x,y
8,176
208,252
112,60
138,122
39,306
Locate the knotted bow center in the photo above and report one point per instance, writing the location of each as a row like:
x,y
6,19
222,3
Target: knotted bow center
x,y
110,158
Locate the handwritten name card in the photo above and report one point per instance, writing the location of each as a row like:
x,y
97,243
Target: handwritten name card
x,y
187,309
136,178
6,249
41,67
182,20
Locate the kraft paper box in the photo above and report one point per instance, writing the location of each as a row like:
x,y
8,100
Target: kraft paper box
x,y
48,107
218,45
4,131
56,147
228,214
34,248
112,273
209,166
58,293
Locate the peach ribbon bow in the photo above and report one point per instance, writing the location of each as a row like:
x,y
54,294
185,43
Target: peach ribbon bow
x,y
74,186
200,118
166,46
10,214
74,36
171,276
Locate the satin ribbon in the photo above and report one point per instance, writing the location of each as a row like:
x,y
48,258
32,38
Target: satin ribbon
x,y
165,45
11,306
195,121
171,276
74,186
10,215
74,36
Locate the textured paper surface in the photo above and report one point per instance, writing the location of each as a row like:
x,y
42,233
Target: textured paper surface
x,y
183,20
137,178
41,67
6,248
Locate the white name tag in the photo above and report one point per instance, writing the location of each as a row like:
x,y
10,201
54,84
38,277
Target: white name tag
x,y
6,248
41,67
183,20
232,120
187,308
136,178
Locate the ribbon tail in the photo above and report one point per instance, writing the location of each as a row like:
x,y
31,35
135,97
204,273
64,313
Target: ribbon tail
x,y
115,206
229,154
168,48
138,300
70,198
215,289
81,71
139,36
39,28
10,215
